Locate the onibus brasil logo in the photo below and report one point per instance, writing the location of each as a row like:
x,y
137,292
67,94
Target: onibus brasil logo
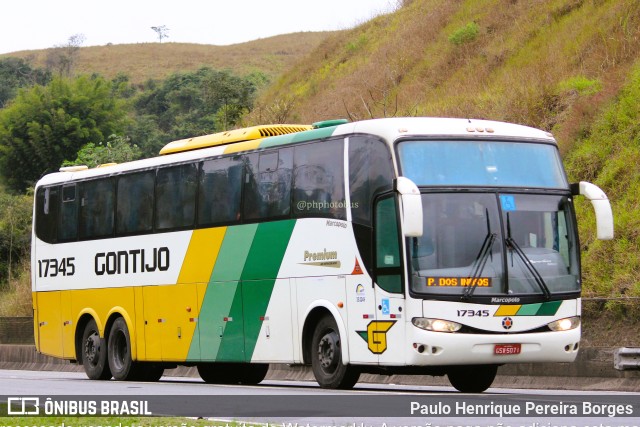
x,y
376,335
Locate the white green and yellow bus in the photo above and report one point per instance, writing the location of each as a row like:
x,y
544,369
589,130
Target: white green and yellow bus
x,y
402,245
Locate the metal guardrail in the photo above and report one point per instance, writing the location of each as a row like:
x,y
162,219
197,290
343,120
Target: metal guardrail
x,y
626,358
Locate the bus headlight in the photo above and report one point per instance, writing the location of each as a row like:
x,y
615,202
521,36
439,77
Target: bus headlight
x,y
436,325
565,324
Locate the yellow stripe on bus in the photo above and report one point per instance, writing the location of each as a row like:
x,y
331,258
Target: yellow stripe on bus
x,y
243,146
201,255
507,310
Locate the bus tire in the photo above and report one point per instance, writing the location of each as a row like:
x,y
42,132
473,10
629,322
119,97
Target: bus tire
x,y
218,373
94,353
326,357
254,373
233,373
122,366
472,379
149,372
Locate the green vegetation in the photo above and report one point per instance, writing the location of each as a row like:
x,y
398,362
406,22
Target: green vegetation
x,y
117,149
46,125
465,34
609,157
581,85
16,73
191,104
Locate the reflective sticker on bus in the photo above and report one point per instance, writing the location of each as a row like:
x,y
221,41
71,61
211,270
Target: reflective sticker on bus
x,y
508,202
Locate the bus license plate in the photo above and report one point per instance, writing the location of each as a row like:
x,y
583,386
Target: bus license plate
x,y
506,349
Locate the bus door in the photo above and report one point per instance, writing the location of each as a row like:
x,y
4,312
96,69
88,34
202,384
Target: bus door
x,y
387,336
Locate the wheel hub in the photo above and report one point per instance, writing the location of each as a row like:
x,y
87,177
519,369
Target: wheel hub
x,y
92,348
328,347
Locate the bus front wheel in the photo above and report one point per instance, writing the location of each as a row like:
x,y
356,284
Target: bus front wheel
x,y
94,353
326,357
472,379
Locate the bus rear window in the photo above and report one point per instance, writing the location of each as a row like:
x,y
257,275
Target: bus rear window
x,y
47,200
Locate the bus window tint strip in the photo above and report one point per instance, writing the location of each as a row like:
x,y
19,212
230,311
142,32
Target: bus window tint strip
x,y
300,181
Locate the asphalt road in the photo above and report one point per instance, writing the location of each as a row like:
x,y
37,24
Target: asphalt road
x,y
304,404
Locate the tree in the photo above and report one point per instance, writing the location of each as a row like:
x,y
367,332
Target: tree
x,y
15,231
196,103
16,73
62,58
45,125
117,149
162,31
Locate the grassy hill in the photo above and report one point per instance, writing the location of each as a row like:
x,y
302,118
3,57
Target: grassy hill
x,y
143,61
568,66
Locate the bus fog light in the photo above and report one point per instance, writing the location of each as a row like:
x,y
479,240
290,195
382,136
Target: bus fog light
x,y
435,325
565,324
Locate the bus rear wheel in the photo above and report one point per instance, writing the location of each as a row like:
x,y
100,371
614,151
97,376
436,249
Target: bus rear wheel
x,y
94,353
326,357
472,379
122,366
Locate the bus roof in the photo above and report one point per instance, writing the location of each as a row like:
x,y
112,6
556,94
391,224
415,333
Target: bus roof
x,y
260,137
230,137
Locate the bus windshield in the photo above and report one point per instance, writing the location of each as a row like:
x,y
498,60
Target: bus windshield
x,y
489,244
481,163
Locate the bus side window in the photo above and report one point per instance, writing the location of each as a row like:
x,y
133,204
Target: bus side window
x,y
388,270
176,196
68,227
97,200
370,172
267,188
134,211
219,191
47,214
318,182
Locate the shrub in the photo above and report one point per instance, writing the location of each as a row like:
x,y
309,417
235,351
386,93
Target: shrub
x,y
581,85
465,34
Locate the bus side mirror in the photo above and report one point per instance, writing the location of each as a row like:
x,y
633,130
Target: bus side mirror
x,y
601,206
411,208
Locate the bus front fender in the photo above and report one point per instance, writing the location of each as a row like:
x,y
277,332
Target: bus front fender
x,y
324,305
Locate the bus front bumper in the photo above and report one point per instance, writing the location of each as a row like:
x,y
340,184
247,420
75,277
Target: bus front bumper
x,y
427,348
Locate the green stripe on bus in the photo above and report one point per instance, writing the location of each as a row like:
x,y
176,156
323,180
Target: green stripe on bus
x,y
549,308
297,137
233,253
264,261
268,248
529,310
219,303
240,288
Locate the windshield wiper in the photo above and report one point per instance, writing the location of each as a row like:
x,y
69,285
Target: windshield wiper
x,y
532,269
481,260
